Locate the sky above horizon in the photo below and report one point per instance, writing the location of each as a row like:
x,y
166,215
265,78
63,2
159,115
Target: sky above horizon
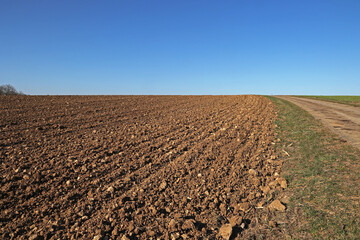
x,y
181,47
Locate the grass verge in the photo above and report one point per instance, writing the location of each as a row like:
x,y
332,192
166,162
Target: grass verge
x,y
323,174
349,100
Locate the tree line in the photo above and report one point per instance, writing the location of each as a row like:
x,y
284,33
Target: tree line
x,y
7,89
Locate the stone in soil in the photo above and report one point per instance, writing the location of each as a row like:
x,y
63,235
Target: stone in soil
x,y
282,182
277,206
226,231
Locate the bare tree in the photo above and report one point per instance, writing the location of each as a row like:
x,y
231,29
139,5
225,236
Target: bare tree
x,y
7,89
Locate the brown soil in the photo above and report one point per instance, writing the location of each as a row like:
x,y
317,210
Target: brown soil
x,y
340,118
135,167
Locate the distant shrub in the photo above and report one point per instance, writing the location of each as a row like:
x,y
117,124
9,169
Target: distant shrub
x,y
9,90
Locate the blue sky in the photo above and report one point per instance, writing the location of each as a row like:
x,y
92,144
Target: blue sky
x,y
181,47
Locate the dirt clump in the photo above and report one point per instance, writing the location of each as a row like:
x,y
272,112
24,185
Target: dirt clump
x,y
135,167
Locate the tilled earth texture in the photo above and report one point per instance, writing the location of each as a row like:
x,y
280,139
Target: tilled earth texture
x,y
134,167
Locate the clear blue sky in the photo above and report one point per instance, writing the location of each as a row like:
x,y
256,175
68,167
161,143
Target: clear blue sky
x,y
181,47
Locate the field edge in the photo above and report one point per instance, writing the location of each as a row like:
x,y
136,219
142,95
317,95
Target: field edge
x,y
321,170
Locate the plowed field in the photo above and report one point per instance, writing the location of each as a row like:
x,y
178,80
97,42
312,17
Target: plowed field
x,y
134,167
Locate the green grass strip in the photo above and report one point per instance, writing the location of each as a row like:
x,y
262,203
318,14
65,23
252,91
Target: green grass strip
x,y
349,100
323,174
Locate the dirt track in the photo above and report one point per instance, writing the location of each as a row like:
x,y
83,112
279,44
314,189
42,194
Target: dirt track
x,y
340,118
134,167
